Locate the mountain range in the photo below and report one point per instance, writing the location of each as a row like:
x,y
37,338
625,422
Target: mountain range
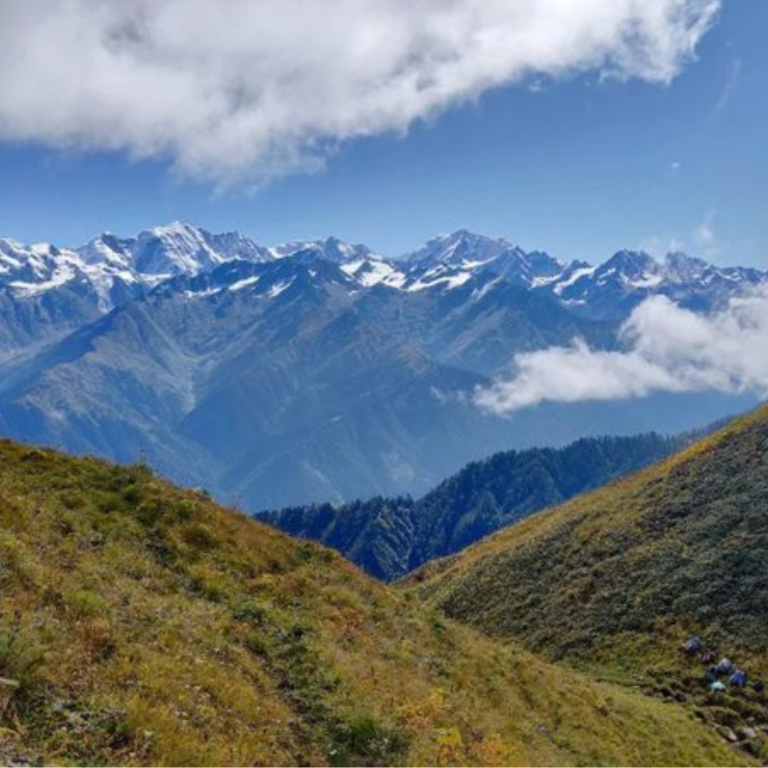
x,y
315,370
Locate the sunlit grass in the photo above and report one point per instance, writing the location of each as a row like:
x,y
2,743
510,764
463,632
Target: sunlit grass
x,y
145,625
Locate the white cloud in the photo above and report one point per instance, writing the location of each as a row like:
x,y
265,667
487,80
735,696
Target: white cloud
x,y
659,247
701,239
726,94
668,349
248,89
704,235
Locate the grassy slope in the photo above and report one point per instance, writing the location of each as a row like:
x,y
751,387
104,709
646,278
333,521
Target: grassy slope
x,y
685,541
615,579
146,625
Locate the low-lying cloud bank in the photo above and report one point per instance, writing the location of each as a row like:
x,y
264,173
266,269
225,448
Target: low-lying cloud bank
x,y
668,349
250,89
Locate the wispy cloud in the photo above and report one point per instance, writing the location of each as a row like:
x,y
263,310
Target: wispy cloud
x,y
659,246
702,240
704,235
668,349
732,81
250,89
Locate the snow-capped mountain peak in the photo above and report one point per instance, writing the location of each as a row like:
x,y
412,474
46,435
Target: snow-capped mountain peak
x,y
183,249
107,249
331,248
113,269
358,261
680,268
459,248
110,269
630,265
33,269
612,289
171,250
451,260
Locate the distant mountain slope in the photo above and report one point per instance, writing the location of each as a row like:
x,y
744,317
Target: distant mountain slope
x,y
282,382
388,537
679,548
480,325
141,624
260,381
315,370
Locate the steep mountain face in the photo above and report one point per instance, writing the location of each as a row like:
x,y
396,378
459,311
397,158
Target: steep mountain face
x,y
346,403
270,651
46,293
680,548
261,381
172,250
30,321
450,260
480,324
388,537
460,248
358,261
312,371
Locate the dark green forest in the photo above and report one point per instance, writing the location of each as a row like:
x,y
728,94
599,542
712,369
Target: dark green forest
x,y
388,537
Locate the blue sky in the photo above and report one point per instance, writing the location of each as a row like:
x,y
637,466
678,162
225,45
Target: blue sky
x,y
579,167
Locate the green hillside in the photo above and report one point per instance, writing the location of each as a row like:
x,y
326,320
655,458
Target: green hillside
x,y
615,580
141,624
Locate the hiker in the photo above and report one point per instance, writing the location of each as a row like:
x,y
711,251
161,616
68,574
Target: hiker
x,y
710,675
725,667
692,645
738,678
717,687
